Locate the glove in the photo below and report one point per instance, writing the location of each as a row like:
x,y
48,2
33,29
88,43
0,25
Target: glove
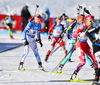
x,y
87,11
61,36
68,36
82,34
49,37
98,41
26,43
65,31
37,39
40,43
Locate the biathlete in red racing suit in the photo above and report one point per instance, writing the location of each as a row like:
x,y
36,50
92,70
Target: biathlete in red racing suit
x,y
83,47
56,37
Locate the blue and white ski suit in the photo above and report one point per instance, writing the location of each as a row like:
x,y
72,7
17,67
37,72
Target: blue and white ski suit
x,y
29,35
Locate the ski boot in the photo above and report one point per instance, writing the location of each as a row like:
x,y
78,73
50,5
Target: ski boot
x,y
11,37
97,75
69,60
60,68
40,67
95,83
21,66
73,76
46,58
94,72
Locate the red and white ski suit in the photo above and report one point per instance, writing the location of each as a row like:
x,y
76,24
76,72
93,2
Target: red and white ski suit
x,y
56,37
83,47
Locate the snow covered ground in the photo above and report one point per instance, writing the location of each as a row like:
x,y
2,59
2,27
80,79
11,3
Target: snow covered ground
x,y
10,60
55,6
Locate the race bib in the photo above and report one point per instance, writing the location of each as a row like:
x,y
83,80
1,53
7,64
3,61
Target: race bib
x,y
8,21
33,32
57,32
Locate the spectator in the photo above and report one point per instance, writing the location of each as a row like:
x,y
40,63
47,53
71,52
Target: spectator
x,y
46,18
25,16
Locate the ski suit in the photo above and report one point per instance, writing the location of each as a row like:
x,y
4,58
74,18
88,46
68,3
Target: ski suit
x,y
29,34
8,21
83,47
64,22
74,26
93,34
57,37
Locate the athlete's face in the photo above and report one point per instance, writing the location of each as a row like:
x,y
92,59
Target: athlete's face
x,y
37,20
89,22
58,22
64,18
80,21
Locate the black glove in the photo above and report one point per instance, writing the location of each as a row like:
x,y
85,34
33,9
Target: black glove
x,y
65,31
37,39
98,41
49,37
87,11
41,43
26,43
68,36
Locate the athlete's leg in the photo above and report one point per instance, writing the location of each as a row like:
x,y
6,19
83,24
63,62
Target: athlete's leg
x,y
70,51
26,51
79,47
97,54
89,60
92,57
52,47
36,53
10,30
35,50
69,54
22,60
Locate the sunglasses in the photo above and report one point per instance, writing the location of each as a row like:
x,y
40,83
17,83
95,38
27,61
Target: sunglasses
x,y
39,17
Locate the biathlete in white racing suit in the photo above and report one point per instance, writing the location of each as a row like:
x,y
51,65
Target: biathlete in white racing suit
x,y
33,28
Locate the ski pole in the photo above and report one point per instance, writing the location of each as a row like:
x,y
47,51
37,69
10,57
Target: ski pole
x,y
80,7
35,12
15,47
54,50
67,53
